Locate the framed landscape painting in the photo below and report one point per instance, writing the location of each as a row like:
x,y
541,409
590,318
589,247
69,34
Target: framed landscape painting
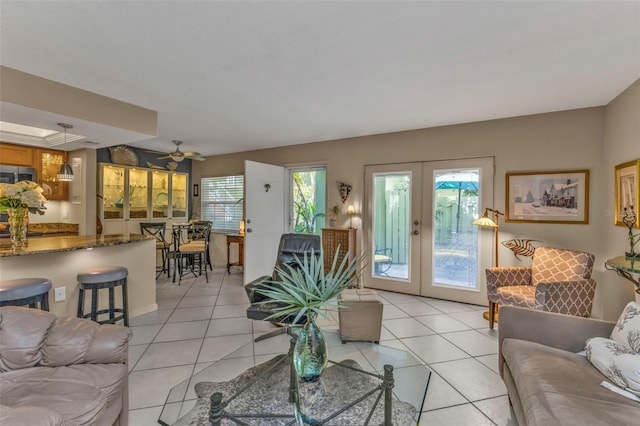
x,y
548,197
627,191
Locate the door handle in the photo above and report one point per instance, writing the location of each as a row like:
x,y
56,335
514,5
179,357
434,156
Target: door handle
x,y
416,232
249,230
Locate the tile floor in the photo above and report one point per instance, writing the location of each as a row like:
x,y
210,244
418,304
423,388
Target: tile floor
x,y
198,323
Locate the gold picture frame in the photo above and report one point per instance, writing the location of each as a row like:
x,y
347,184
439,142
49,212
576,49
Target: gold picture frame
x,y
627,190
560,196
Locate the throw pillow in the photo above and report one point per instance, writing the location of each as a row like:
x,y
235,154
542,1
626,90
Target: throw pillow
x,y
627,329
616,361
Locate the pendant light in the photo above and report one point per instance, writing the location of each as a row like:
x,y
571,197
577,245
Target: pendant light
x,y
65,174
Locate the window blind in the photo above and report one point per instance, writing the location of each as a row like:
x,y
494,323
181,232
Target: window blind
x,y
223,201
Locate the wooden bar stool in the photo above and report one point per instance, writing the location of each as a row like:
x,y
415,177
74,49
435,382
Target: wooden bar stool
x,y
25,291
98,278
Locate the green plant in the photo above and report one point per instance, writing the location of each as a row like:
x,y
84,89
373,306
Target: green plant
x,y
305,288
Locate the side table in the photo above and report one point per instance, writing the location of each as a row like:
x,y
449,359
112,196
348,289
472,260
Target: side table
x,y
235,239
626,268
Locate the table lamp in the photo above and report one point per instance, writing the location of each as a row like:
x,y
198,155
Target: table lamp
x,y
351,212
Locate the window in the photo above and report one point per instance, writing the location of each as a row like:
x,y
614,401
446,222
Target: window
x,y
307,199
223,201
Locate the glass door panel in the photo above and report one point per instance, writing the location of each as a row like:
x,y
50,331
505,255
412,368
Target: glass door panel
x,y
138,193
391,223
455,245
179,196
160,194
113,192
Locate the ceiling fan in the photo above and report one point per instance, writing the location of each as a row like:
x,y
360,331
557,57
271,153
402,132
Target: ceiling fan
x,y
178,155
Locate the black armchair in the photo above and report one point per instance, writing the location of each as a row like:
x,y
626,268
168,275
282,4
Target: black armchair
x,y
291,246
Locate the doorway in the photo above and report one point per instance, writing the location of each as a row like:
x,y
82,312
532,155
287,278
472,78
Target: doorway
x,y
307,199
418,228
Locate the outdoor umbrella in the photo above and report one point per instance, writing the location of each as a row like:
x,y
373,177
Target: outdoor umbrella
x,y
459,181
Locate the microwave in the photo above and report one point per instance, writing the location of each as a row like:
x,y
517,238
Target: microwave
x,y
13,174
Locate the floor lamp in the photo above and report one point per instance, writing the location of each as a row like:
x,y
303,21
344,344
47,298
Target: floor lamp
x,y
485,221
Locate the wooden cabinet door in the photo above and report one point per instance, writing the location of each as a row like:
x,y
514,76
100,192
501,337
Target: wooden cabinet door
x,y
48,162
16,155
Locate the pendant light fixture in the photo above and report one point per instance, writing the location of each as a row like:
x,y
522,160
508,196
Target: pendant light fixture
x,y
65,174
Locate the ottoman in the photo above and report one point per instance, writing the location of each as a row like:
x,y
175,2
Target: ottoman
x,y
360,315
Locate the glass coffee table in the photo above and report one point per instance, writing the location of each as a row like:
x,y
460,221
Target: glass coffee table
x,y
254,382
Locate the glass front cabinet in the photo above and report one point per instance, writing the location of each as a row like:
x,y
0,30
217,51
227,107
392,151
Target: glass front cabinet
x,y
130,195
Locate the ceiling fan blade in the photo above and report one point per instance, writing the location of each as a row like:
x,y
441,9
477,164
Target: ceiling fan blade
x,y
155,152
163,158
192,154
197,158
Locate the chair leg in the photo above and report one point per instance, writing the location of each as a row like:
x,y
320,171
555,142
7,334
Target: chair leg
x,y
492,312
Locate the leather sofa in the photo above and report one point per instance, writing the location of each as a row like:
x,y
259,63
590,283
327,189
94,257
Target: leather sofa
x,y
547,381
61,371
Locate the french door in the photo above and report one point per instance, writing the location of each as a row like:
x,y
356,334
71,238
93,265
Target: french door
x,y
418,228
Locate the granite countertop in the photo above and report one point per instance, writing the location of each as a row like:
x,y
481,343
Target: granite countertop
x,y
59,244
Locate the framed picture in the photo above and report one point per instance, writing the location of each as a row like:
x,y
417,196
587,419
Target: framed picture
x,y
627,191
548,197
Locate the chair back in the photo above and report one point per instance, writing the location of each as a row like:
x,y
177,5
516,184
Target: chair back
x,y
200,231
295,245
155,229
556,265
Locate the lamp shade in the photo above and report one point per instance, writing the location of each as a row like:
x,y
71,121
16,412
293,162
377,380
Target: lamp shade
x,y
65,174
485,221
351,211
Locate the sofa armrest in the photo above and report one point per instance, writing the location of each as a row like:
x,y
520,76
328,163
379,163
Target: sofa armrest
x,y
508,275
567,297
30,415
564,332
79,341
252,287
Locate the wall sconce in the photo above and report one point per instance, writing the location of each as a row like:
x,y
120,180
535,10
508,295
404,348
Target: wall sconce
x,y
196,190
345,189
267,187
242,225
351,212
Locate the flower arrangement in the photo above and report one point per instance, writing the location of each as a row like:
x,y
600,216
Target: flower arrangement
x,y
24,194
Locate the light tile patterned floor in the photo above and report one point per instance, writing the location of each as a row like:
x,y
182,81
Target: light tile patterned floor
x,y
197,322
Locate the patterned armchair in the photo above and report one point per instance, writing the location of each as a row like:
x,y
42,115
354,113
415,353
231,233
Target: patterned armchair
x,y
558,280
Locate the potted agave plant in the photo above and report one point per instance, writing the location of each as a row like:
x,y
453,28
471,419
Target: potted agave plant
x,y
306,290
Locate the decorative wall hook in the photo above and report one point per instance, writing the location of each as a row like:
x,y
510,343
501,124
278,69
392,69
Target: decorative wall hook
x,y
267,187
345,189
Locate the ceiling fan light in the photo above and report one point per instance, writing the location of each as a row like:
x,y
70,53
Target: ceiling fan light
x,y
65,174
176,158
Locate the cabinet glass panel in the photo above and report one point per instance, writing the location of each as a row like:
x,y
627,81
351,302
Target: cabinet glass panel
x,y
179,193
138,193
160,194
113,192
50,165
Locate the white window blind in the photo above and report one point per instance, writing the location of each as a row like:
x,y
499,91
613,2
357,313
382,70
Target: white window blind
x,y
222,201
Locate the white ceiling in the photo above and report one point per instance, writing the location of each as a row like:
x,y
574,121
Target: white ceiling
x,y
235,76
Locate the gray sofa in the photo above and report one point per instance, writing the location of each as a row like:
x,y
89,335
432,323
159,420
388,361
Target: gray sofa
x,y
547,381
61,371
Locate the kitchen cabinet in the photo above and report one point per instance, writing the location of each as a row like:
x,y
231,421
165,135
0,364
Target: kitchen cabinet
x,y
47,164
131,195
16,155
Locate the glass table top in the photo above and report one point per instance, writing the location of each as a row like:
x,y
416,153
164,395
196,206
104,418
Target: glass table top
x,y
621,262
411,378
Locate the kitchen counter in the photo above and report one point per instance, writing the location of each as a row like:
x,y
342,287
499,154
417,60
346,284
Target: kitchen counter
x,y
60,259
69,243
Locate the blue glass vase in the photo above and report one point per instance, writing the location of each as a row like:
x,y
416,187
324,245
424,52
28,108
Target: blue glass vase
x,y
310,352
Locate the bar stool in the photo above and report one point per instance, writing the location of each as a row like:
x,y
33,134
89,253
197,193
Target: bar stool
x,y
25,291
101,277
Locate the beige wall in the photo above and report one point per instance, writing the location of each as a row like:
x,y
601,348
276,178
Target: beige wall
x,y
554,141
622,144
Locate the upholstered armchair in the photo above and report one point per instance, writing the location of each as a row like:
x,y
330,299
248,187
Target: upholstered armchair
x,y
558,280
291,246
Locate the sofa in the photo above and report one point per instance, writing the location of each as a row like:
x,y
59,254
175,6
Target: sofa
x,y
547,380
61,371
